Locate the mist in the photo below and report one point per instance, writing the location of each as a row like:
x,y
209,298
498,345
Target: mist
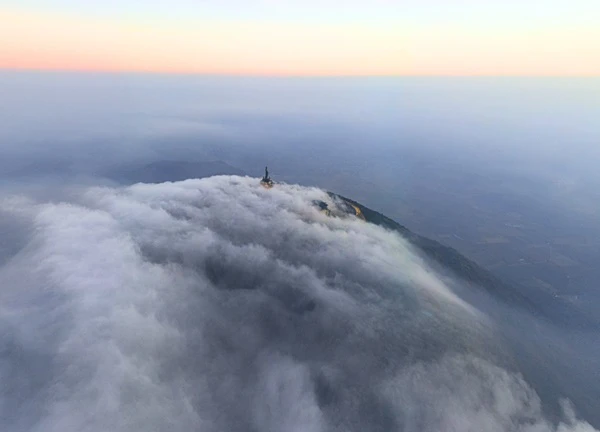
x,y
215,304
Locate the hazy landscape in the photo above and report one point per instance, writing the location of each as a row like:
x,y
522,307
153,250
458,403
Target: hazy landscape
x,y
502,169
190,298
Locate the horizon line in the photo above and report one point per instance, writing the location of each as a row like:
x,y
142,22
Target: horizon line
x,y
286,75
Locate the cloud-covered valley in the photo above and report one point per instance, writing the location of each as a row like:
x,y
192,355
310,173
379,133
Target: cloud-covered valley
x,y
218,305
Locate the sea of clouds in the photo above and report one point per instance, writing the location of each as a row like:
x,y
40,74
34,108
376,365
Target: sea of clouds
x,y
218,305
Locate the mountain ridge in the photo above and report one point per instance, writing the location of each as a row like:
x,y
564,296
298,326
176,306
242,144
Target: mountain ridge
x,y
541,304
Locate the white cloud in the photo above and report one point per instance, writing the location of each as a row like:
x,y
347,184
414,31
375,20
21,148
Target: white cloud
x,y
218,305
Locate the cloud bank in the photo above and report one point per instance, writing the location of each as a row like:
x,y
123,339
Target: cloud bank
x,y
217,305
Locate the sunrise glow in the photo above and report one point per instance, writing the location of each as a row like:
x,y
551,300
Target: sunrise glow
x,y
281,38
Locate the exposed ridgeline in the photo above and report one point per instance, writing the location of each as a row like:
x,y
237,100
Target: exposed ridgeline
x,y
540,303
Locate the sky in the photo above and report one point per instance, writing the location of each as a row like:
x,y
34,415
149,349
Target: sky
x,y
326,37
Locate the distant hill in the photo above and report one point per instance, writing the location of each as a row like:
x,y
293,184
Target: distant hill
x,y
52,168
163,171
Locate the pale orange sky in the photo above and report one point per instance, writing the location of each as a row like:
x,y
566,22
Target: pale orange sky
x,y
36,38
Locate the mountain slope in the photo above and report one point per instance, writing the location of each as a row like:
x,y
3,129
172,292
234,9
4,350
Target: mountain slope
x,y
540,303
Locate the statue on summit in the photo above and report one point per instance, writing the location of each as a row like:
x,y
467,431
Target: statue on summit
x,y
266,180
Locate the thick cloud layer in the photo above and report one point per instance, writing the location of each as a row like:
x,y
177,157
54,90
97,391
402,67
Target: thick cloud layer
x,y
217,305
